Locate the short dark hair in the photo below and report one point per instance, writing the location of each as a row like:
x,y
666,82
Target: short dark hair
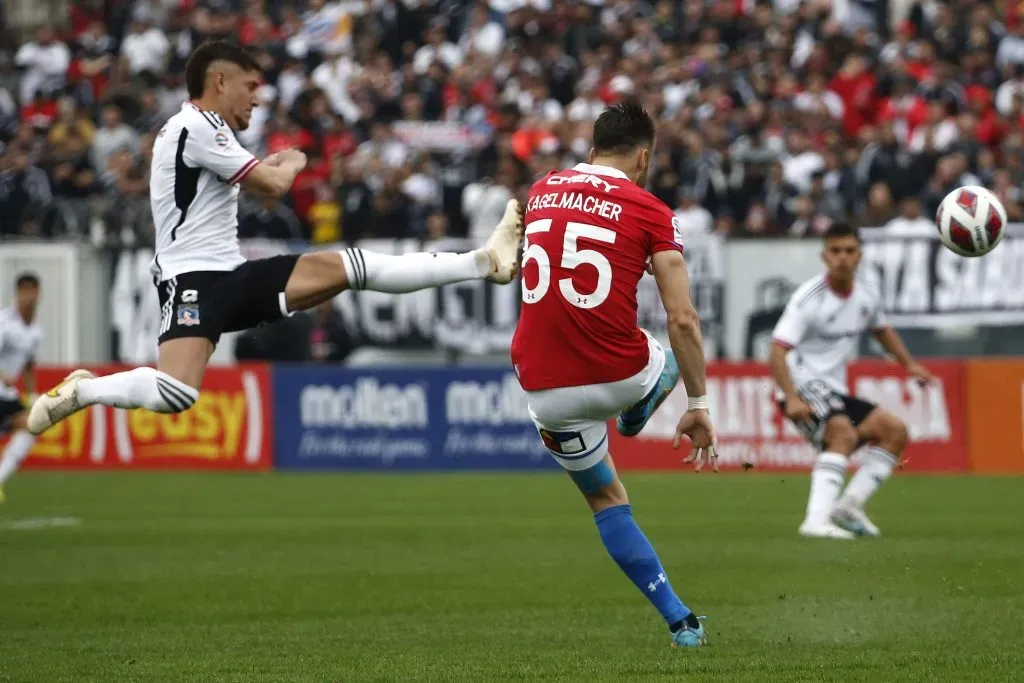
x,y
206,54
840,229
26,280
622,128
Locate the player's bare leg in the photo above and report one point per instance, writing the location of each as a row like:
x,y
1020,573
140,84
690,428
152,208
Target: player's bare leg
x,y
627,545
17,449
173,388
887,436
827,479
321,276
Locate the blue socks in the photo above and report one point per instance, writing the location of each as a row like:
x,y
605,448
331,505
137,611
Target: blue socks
x,y
635,556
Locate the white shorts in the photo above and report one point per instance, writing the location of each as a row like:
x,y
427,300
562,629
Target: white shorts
x,y
573,421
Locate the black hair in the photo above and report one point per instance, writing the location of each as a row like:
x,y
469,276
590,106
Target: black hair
x,y
839,229
622,128
206,54
26,280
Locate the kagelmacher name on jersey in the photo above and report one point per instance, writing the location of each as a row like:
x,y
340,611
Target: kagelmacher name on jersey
x,y
576,201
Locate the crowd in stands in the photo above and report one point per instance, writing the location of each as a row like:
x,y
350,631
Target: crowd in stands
x,y
422,117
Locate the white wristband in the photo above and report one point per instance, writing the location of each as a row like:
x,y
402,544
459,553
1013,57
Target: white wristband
x,y
697,402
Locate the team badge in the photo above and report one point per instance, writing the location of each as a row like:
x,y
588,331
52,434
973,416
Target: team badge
x,y
563,443
188,316
221,139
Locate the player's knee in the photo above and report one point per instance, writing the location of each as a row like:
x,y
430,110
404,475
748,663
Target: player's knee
x,y
840,435
894,437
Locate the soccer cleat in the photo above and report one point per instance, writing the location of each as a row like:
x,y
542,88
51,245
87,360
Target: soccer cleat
x,y
824,529
632,420
690,637
503,245
57,404
854,520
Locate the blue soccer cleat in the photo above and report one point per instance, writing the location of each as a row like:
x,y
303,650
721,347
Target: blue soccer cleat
x,y
633,419
690,637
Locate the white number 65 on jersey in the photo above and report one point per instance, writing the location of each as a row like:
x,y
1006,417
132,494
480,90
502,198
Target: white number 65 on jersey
x,y
572,257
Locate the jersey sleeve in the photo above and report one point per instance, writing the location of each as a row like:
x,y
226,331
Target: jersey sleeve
x,y
36,343
792,326
666,233
878,318
219,152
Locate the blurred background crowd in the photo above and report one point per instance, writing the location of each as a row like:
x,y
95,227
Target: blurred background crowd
x,y
422,117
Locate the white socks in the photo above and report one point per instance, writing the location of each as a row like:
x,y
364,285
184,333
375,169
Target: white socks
x,y
827,480
138,388
17,448
412,272
876,466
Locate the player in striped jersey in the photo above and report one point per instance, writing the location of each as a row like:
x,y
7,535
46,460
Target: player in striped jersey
x,y
206,286
20,337
818,334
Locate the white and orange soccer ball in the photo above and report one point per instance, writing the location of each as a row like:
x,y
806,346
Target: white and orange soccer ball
x,y
971,221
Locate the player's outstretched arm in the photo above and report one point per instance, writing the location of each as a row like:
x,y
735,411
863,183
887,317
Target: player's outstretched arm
x,y
28,378
788,333
892,342
684,335
275,176
796,409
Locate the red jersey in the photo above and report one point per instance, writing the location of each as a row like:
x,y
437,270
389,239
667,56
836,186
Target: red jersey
x,y
589,234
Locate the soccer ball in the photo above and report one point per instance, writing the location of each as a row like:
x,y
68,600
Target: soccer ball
x,y
971,221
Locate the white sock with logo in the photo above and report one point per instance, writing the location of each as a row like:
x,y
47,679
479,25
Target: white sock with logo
x,y
875,468
17,448
827,480
398,274
138,388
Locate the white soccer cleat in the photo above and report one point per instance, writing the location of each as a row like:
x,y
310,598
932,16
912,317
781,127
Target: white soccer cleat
x,y
57,404
503,244
824,529
853,519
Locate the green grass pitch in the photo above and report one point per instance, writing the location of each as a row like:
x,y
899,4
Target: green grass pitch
x,y
328,577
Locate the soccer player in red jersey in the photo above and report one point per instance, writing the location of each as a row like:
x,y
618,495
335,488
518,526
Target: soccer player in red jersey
x,y
591,232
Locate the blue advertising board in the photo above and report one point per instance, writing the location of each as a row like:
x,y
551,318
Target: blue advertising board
x,y
403,419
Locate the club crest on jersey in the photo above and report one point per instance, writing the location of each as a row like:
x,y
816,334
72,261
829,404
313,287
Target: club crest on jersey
x,y
188,315
563,443
221,139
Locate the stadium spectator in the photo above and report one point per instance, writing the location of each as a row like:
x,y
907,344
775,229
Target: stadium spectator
x,y
112,136
44,63
483,201
264,219
432,98
356,201
145,48
25,193
691,217
910,220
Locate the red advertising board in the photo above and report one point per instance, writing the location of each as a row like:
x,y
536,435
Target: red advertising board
x,y
229,428
751,428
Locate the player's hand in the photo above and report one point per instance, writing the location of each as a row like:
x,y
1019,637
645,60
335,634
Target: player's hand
x,y
697,427
273,159
797,410
288,156
920,373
